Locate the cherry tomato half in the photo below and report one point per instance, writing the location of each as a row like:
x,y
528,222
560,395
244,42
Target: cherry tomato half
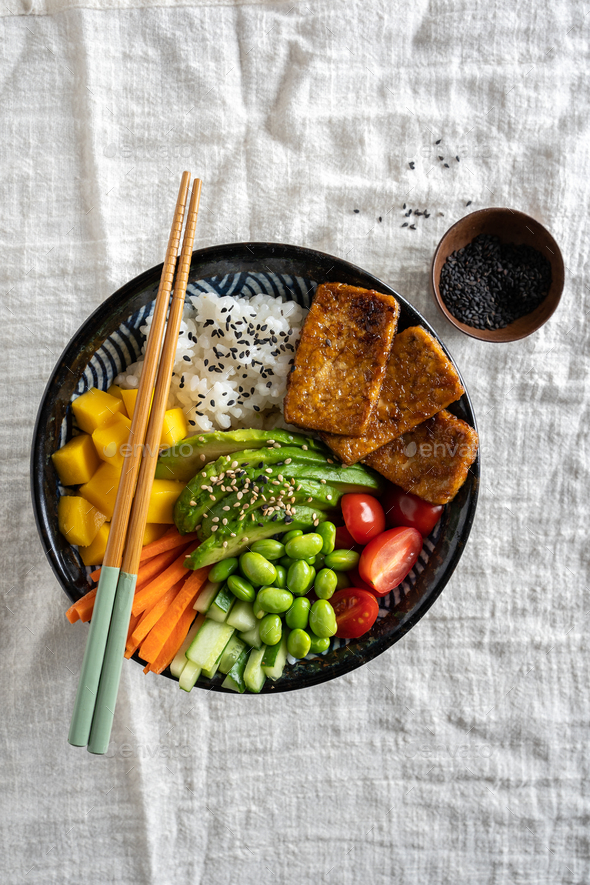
x,y
356,580
363,515
404,509
387,559
356,612
345,541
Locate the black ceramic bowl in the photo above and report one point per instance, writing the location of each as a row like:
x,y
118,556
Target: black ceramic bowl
x,y
273,261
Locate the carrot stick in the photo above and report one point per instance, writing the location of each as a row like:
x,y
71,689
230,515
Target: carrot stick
x,y
148,595
72,614
85,605
155,566
95,575
171,539
153,615
173,643
133,622
160,632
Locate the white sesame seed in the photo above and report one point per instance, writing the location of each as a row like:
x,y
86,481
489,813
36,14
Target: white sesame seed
x,y
202,457
212,497
234,464
309,500
225,543
205,486
215,519
329,460
193,503
214,528
323,482
305,448
224,521
276,445
240,495
329,497
316,522
201,439
225,508
288,460
232,534
314,515
269,469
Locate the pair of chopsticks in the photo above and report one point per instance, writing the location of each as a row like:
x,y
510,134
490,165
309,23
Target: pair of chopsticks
x,y
98,684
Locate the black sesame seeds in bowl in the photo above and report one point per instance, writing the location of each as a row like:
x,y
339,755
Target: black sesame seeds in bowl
x,y
497,275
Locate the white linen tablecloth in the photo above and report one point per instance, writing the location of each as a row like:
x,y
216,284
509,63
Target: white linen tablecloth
x,y
460,755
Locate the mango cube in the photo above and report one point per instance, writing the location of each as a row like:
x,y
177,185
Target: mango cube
x,y
152,532
162,500
76,461
95,407
129,398
101,490
115,390
174,427
78,520
94,553
111,438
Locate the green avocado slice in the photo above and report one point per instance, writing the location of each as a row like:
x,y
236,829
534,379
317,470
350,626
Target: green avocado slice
x,y
182,461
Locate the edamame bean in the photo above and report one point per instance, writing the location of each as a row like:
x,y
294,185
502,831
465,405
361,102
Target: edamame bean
x,y
298,643
342,560
268,548
222,570
274,600
319,561
322,619
325,583
286,562
294,533
343,580
310,560
319,644
241,588
259,612
298,615
257,569
281,578
304,545
300,577
328,532
271,629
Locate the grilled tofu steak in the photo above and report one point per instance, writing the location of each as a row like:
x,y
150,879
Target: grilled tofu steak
x,y
341,358
431,460
419,381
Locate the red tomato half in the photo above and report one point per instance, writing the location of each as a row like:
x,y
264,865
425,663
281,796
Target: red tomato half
x,y
363,515
356,580
345,541
404,509
387,559
356,611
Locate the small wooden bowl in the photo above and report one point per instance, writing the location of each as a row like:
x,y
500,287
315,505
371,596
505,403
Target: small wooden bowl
x,y
511,227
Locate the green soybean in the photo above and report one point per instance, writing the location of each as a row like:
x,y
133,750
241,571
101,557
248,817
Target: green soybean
x,y
304,545
281,578
325,583
327,530
294,533
342,560
300,577
222,570
271,629
268,548
274,600
343,580
298,615
319,562
259,612
241,587
319,644
298,643
322,619
257,569
286,562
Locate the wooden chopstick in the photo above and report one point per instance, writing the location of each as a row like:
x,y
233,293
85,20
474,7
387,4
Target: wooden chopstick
x,y
111,670
105,594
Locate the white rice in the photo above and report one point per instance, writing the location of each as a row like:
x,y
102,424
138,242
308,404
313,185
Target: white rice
x,y
232,360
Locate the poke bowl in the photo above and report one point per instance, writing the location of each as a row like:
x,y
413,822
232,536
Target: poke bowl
x,y
110,341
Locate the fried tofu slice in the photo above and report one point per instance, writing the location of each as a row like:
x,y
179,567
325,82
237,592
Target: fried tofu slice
x,y
420,381
431,460
341,358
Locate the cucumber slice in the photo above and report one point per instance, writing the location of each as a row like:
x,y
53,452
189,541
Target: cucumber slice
x,y
206,596
252,637
242,616
254,675
232,652
177,665
221,605
235,677
275,658
209,674
189,676
209,643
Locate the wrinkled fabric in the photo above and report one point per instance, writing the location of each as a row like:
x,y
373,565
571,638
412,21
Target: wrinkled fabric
x,y
459,755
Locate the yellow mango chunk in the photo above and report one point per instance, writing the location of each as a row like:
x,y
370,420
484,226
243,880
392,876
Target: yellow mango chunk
x,y
95,407
76,461
152,532
174,428
162,500
94,553
78,520
130,398
111,438
101,490
115,390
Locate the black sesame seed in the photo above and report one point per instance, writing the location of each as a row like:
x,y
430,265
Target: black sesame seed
x,y
212,401
446,165
457,159
439,141
380,218
256,408
269,384
412,227
191,422
356,211
441,159
405,224
469,202
187,358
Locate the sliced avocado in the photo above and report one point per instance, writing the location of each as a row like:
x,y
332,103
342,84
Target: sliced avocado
x,y
234,509
249,463
212,550
182,461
